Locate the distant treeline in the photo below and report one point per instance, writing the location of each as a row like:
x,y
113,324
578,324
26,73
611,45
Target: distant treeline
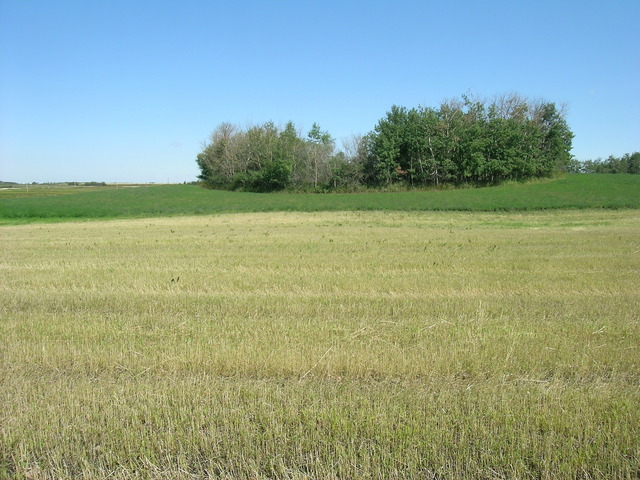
x,y
628,163
88,184
464,140
83,184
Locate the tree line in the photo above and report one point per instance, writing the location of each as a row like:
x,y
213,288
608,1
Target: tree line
x,y
465,140
627,163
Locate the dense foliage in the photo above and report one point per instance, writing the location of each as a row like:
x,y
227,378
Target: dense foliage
x,y
463,141
469,141
628,163
266,158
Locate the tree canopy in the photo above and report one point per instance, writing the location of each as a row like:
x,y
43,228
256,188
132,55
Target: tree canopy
x,y
466,140
469,141
266,157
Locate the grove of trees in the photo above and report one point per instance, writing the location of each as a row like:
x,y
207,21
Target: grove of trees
x,y
464,140
266,158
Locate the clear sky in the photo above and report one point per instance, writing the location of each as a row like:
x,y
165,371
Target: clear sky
x,y
128,91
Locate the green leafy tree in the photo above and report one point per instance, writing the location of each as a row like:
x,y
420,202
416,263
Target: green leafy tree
x,y
633,162
556,138
276,175
388,147
320,150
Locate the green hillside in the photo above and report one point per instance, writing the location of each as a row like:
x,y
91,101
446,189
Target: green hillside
x,y
569,192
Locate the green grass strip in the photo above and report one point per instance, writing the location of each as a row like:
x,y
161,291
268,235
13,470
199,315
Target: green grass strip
x,y
569,192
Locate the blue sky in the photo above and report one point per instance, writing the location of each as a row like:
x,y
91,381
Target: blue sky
x,y
128,91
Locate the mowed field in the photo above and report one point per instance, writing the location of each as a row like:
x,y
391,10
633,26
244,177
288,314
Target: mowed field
x,y
439,345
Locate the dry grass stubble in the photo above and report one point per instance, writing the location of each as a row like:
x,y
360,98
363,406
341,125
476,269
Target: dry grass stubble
x,y
324,345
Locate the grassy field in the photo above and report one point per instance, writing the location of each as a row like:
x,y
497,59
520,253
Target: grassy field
x,y
446,345
49,190
86,203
